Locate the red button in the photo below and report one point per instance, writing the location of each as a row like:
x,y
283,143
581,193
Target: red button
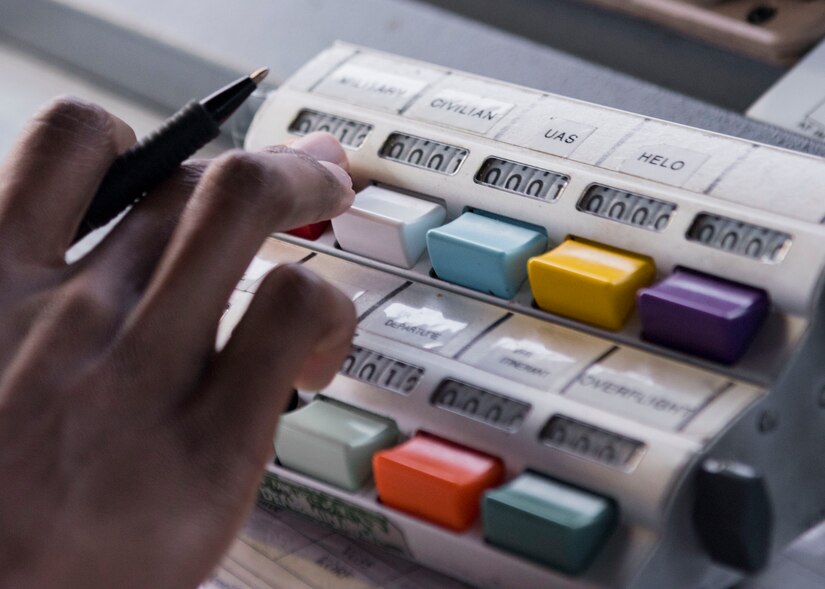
x,y
311,232
436,480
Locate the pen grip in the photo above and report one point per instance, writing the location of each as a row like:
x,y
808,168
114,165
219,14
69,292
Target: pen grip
x,y
149,162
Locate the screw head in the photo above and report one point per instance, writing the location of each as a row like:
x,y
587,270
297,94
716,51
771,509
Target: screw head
x,y
761,14
768,421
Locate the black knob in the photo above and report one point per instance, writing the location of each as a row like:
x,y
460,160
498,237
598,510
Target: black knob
x,y
733,514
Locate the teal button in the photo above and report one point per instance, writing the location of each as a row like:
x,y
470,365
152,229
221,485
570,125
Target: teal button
x,y
483,253
333,442
548,522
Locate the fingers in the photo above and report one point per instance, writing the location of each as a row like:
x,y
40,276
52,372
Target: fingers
x,y
123,263
128,255
297,331
241,199
51,175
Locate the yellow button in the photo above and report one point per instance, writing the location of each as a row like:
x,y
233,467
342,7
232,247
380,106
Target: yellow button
x,y
590,282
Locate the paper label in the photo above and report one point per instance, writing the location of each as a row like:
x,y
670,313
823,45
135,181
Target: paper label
x,y
277,492
643,387
370,87
526,361
422,327
664,163
461,110
559,136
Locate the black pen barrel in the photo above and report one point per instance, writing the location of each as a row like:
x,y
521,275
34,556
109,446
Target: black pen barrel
x,y
150,161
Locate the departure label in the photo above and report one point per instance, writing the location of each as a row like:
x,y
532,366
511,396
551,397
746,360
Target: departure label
x,y
664,163
423,327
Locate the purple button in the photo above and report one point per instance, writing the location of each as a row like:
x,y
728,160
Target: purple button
x,y
702,315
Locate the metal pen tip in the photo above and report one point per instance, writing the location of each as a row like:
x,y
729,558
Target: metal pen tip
x,y
258,75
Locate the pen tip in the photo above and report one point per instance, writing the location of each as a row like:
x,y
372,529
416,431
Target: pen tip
x,y
258,75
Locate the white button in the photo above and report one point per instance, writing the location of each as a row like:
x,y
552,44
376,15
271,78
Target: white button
x,y
643,387
387,226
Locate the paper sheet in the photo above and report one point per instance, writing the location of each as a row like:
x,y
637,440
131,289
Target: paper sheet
x,y
283,550
797,101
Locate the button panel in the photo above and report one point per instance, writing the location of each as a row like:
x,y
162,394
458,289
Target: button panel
x,y
591,282
548,522
596,413
435,480
483,253
332,442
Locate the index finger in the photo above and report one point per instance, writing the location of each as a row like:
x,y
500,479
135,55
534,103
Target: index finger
x,y
51,175
242,198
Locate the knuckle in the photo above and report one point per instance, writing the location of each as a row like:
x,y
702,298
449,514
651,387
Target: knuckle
x,y
295,297
291,287
69,118
237,172
189,174
82,306
301,296
240,182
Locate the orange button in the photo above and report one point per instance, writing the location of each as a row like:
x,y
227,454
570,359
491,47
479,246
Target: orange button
x,y
435,480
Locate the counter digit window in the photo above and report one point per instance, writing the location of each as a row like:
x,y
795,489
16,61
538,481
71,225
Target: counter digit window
x,y
423,153
493,409
350,133
521,179
737,237
626,207
382,371
591,442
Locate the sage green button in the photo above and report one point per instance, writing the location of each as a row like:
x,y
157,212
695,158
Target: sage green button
x,y
547,521
333,442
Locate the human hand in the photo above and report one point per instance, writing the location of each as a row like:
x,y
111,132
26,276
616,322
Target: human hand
x,y
130,450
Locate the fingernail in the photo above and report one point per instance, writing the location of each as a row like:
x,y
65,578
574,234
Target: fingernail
x,y
324,147
339,174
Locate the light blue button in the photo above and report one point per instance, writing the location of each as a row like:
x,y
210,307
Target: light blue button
x,y
485,254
